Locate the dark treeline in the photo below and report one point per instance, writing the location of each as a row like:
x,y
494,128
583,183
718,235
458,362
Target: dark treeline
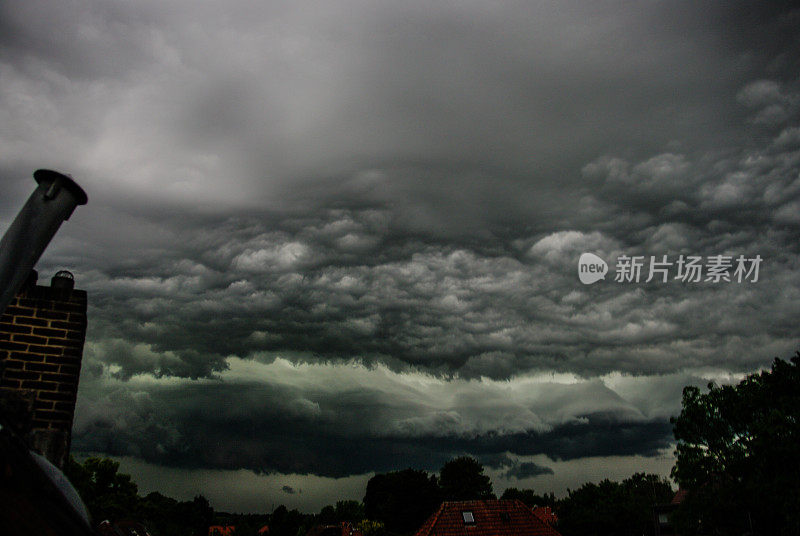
x,y
111,495
395,503
403,500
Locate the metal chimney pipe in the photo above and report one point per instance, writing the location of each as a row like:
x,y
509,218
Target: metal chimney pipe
x,y
52,202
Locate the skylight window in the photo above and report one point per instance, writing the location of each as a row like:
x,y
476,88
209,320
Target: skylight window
x,y
469,519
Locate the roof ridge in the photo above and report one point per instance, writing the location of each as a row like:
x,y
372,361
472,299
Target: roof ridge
x,y
446,521
433,521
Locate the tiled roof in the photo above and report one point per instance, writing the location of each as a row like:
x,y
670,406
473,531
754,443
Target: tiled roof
x,y
221,530
492,518
546,514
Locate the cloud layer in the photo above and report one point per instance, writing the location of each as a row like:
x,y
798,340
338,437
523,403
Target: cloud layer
x,y
337,420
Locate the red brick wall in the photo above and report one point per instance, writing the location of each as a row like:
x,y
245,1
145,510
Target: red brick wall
x,y
41,343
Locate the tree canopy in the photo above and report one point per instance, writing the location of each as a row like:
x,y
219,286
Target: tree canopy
x,y
352,511
111,495
530,497
737,454
107,493
462,479
618,508
402,500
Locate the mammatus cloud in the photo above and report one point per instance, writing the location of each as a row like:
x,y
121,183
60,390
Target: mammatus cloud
x,y
357,283
494,307
770,103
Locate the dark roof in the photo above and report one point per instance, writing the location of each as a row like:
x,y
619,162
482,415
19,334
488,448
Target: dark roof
x,y
492,518
680,495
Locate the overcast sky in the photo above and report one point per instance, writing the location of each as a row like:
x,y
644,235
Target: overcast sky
x,y
328,239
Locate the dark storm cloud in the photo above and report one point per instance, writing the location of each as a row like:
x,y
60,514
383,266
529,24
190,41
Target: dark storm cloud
x,y
527,470
339,420
513,468
360,184
353,283
154,102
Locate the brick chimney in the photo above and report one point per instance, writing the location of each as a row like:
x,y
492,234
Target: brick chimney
x,y
42,332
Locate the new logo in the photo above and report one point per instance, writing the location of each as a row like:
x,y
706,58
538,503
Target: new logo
x,y
591,268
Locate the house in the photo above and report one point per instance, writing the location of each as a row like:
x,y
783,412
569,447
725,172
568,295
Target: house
x,y
485,518
42,333
546,514
662,515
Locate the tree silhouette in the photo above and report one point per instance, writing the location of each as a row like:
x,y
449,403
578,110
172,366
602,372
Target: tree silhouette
x,y
529,497
107,493
402,500
462,479
621,508
111,495
737,454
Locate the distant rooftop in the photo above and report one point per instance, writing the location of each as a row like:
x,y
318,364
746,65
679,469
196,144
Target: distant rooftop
x,y
485,518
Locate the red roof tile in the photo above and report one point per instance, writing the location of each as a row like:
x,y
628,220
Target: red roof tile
x,y
221,530
492,518
546,514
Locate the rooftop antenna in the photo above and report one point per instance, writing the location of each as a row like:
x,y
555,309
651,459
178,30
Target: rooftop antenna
x,y
53,202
